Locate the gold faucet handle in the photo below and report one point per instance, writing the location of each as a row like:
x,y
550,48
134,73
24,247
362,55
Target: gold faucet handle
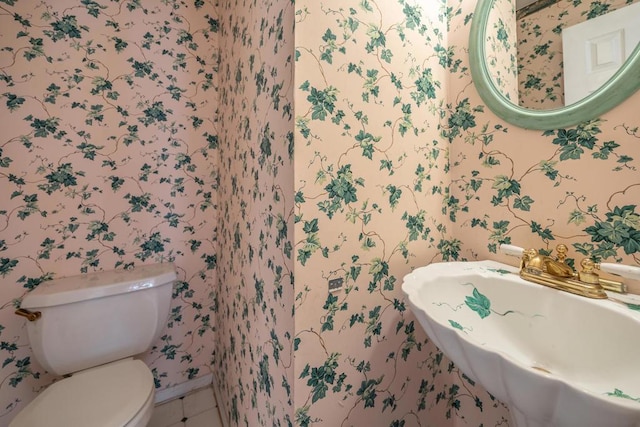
x,y
531,260
588,273
619,269
562,252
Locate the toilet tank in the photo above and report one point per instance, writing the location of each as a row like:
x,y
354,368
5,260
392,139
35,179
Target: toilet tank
x,y
96,318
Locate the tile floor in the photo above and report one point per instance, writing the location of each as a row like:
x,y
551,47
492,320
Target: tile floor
x,y
196,409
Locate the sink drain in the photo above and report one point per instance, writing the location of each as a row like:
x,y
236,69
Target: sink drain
x,y
538,368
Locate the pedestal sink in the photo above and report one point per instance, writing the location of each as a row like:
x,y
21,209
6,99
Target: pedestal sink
x,y
554,358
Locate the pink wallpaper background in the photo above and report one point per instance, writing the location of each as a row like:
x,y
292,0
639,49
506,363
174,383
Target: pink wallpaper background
x,y
266,148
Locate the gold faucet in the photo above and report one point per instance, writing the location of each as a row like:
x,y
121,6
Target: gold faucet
x,y
557,274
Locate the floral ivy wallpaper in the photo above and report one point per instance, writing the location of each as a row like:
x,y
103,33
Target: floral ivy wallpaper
x,y
399,164
502,48
267,147
107,160
370,186
540,48
253,355
373,177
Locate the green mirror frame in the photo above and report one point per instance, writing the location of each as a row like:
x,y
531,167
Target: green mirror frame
x,y
622,85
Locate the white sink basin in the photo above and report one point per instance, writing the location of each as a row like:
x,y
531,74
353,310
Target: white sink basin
x,y
554,358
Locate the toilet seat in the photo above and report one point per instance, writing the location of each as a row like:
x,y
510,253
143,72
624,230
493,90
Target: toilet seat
x,y
115,395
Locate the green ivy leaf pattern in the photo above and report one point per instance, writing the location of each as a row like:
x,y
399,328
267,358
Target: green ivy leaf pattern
x,y
621,228
107,163
456,325
139,132
479,303
635,307
622,395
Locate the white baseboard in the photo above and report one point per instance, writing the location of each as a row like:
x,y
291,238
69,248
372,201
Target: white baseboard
x,y
216,393
181,389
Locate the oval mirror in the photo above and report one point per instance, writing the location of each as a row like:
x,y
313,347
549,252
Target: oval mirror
x,y
494,68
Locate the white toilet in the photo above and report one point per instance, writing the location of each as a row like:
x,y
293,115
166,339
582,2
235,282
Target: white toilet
x,y
91,326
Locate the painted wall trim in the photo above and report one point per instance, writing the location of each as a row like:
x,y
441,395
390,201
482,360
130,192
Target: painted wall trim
x,y
181,389
224,417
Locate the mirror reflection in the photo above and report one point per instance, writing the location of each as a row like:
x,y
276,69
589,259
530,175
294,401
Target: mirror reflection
x,y
535,68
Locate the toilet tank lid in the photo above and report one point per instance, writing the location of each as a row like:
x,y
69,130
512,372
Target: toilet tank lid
x,y
99,284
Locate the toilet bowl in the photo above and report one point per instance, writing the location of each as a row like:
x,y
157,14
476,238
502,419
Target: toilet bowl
x,y
90,326
116,394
